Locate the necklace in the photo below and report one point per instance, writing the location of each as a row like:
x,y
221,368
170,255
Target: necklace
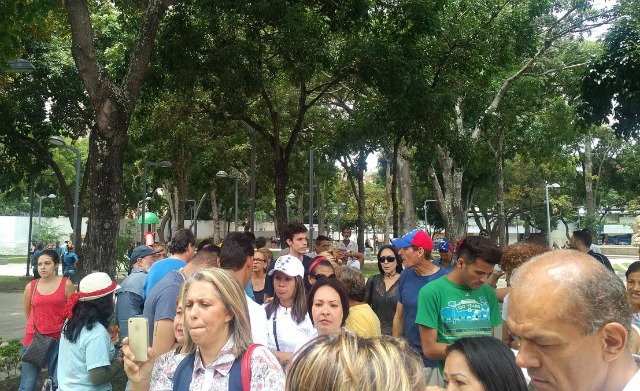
x,y
286,309
391,275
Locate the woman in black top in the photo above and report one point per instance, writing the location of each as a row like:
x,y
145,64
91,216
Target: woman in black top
x,y
381,289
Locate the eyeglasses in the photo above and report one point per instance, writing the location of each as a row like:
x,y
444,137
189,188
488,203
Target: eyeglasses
x,y
388,259
259,260
319,276
483,234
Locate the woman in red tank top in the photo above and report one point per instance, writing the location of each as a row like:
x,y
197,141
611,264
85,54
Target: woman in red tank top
x,y
44,301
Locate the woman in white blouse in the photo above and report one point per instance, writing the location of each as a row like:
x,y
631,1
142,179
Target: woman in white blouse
x,y
287,318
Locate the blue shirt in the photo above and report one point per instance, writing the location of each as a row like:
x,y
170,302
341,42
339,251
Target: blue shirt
x,y
92,349
159,270
409,286
130,299
161,302
447,270
68,260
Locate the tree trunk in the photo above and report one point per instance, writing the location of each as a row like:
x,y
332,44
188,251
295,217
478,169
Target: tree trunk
x,y
321,227
449,196
394,187
501,226
588,176
280,185
406,190
99,246
388,215
300,208
361,208
214,215
113,106
162,236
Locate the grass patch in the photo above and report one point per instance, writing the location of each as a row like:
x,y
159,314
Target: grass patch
x,y
13,284
14,258
622,267
370,269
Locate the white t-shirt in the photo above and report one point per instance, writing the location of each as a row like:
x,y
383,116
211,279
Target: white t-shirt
x,y
351,247
258,319
289,333
634,383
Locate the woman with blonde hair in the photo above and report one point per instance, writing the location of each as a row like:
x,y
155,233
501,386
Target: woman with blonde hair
x,y
345,362
217,337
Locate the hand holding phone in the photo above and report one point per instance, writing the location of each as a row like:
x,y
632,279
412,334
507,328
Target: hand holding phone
x,y
139,337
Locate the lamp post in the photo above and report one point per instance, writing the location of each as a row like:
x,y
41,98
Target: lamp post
x,y
33,180
289,197
426,221
546,188
138,211
40,213
164,163
61,143
194,218
224,174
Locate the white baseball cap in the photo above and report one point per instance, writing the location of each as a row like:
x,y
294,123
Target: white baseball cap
x,y
289,265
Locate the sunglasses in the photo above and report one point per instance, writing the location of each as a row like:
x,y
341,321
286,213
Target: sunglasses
x,y
387,259
319,276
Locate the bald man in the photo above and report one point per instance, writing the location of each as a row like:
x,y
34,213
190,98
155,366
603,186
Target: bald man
x,y
573,319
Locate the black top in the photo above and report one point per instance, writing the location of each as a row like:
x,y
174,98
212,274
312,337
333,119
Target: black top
x,y
382,301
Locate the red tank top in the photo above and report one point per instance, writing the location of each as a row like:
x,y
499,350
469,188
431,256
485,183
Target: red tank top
x,y
48,312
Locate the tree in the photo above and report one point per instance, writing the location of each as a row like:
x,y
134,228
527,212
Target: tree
x,y
611,83
113,104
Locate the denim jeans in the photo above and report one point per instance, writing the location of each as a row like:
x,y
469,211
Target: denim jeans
x,y
29,373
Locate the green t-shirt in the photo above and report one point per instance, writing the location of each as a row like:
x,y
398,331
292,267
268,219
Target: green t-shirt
x,y
457,311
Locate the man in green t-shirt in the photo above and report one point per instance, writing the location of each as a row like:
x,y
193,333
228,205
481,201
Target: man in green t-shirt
x,y
460,304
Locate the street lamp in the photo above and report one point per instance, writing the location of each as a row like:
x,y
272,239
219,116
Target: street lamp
x,y
289,197
165,164
194,218
40,213
426,221
61,143
546,188
224,174
21,66
33,180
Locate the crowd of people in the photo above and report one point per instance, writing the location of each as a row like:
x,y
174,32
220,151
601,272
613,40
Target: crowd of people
x,y
233,317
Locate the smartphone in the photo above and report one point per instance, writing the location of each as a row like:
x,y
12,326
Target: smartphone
x,y
139,337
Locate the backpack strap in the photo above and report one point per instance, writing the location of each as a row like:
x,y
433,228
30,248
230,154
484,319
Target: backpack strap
x,y
184,373
246,367
239,374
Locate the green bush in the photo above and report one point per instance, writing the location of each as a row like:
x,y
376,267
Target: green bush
x,y
10,358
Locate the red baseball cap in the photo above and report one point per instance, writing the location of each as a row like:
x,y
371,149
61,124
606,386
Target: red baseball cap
x,y
417,237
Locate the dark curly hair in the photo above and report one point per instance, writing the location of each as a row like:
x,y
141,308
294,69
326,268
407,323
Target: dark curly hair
x,y
516,254
181,240
88,313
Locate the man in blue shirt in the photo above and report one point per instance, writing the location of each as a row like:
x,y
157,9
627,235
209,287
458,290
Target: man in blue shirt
x,y
182,248
445,262
415,248
131,293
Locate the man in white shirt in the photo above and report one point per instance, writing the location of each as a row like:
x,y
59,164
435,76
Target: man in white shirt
x,y
350,249
573,319
236,256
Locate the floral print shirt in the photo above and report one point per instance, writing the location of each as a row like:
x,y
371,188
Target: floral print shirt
x,y
266,372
